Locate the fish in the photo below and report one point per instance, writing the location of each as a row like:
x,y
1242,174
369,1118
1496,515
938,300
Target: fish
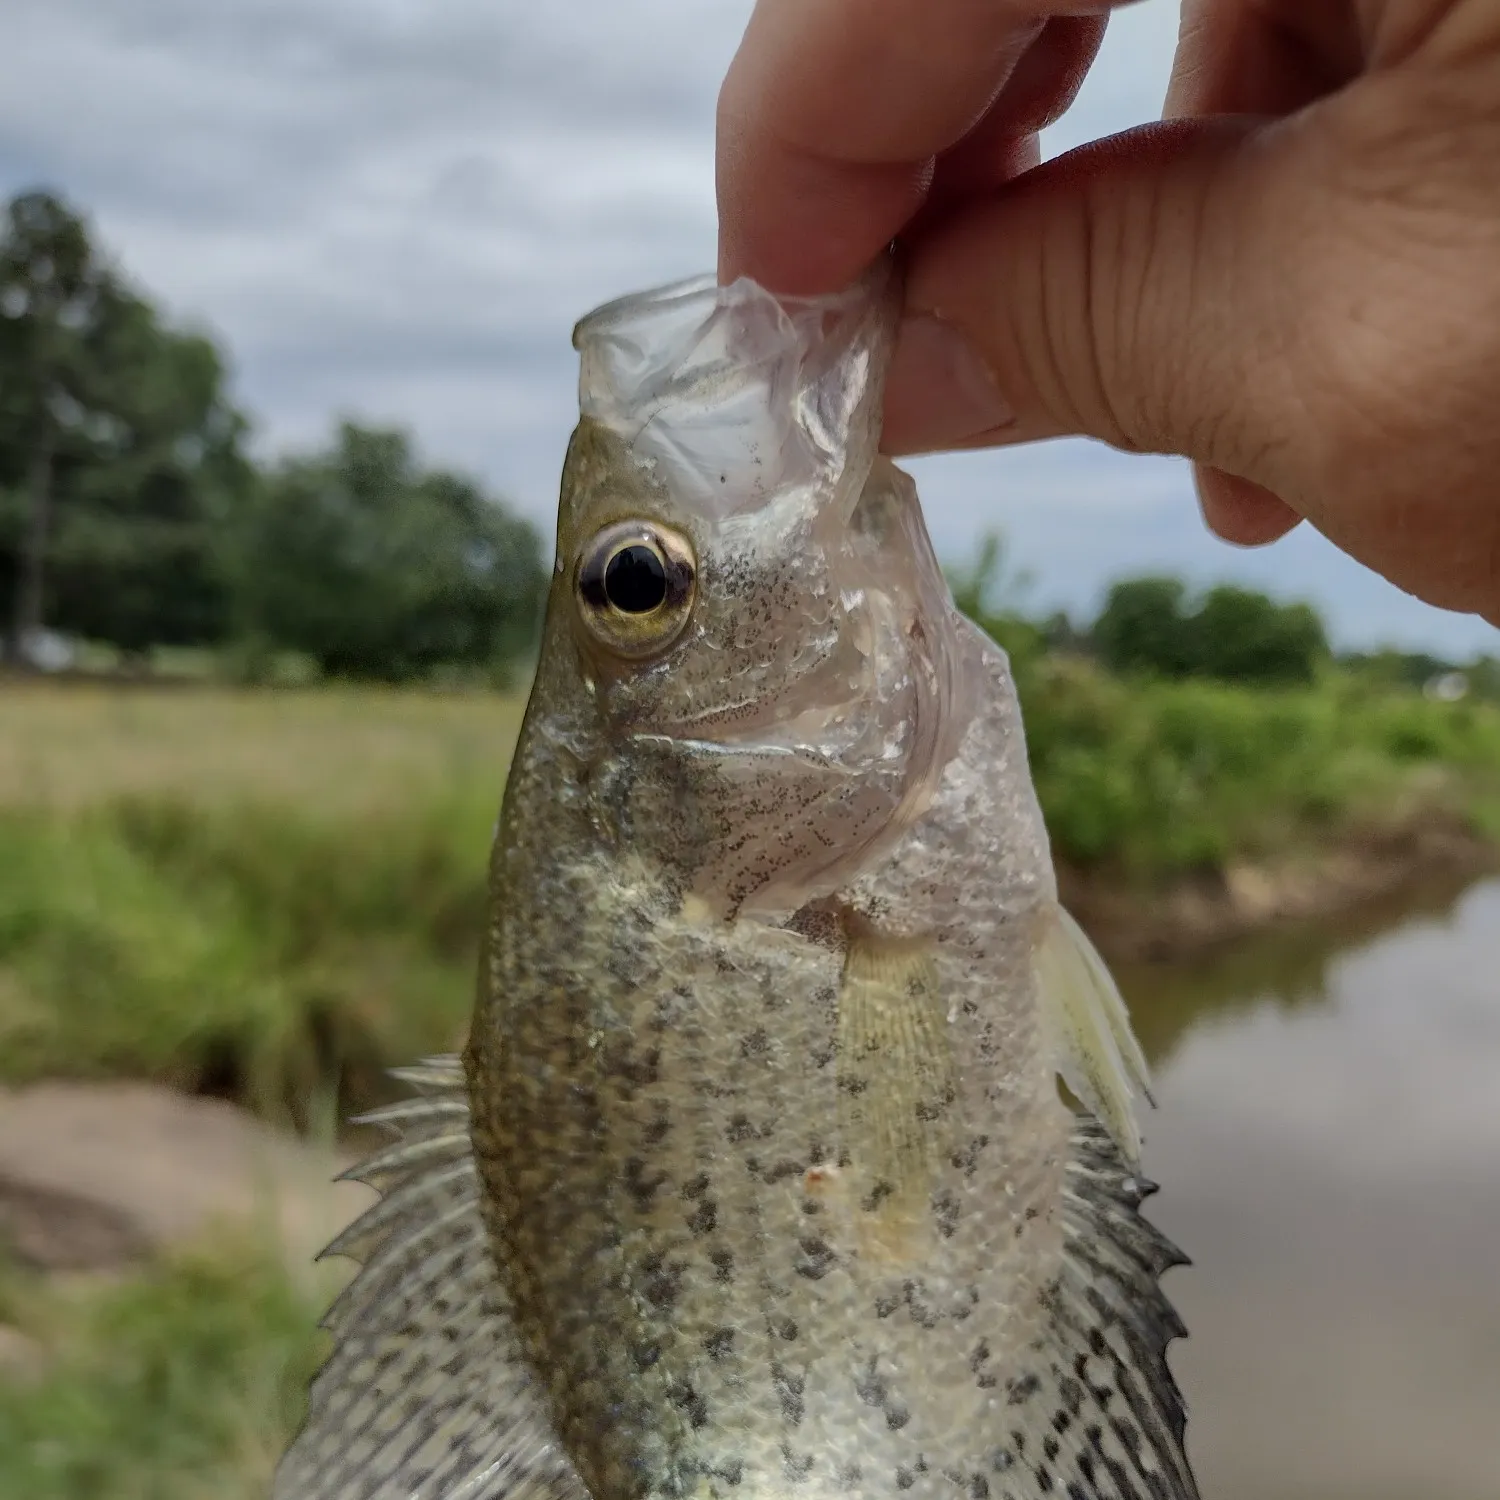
x,y
795,1147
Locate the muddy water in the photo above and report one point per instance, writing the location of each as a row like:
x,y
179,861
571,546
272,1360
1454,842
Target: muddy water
x,y
1328,1140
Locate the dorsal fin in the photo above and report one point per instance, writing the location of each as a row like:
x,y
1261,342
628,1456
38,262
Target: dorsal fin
x,y
1097,1412
426,1395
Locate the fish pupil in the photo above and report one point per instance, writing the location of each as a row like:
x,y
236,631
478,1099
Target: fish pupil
x,y
635,580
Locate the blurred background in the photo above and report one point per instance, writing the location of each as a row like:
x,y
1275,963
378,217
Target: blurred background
x,y
285,381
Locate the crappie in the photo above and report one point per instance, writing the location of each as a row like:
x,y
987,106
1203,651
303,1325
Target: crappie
x,y
756,1179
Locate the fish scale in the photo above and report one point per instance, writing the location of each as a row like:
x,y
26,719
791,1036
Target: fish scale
x,y
1122,1439
756,1179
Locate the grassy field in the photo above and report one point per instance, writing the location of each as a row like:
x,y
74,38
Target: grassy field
x,y
271,895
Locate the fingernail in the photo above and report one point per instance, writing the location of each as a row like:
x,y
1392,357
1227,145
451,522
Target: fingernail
x,y
939,391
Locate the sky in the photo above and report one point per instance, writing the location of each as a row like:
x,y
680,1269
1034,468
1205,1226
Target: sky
x,y
397,209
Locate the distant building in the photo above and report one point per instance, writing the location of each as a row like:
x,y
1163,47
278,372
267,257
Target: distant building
x,y
1446,687
47,651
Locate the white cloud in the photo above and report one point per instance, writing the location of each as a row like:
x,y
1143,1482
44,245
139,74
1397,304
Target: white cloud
x,y
398,208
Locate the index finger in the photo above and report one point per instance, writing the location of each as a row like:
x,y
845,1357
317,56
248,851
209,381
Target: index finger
x,y
833,114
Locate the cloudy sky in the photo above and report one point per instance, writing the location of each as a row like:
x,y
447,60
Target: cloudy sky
x,y
396,209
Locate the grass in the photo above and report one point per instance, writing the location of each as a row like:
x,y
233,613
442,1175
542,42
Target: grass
x,y
181,1383
346,752
244,893
275,894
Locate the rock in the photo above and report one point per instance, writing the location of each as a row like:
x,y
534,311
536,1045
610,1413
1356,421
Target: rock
x,y
95,1174
47,1229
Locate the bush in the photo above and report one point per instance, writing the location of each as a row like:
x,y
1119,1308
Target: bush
x,y
1158,778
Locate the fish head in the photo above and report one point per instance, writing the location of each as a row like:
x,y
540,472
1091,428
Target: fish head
x,y
748,624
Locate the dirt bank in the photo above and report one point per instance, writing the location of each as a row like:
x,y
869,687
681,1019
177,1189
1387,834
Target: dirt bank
x,y
1199,913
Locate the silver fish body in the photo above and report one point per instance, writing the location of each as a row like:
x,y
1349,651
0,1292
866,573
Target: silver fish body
x,y
758,1181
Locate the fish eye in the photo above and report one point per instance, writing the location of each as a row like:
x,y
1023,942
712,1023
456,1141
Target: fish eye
x,y
635,579
635,583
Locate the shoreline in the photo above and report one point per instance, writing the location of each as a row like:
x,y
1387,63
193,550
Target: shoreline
x,y
1194,916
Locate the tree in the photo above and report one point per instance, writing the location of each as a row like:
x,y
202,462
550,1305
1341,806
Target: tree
x,y
50,285
119,448
138,558
1144,627
1393,668
1234,634
1484,677
378,569
1240,635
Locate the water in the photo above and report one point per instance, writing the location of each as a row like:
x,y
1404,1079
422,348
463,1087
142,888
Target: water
x,y
1328,1140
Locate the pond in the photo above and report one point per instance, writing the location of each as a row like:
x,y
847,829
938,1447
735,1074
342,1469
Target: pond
x,y
1328,1141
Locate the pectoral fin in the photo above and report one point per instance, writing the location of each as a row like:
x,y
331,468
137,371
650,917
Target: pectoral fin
x,y
895,1085
1098,1056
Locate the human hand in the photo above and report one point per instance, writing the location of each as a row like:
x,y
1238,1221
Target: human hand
x,y
1294,281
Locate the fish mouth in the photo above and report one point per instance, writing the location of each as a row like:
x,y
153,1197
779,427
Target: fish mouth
x,y
733,394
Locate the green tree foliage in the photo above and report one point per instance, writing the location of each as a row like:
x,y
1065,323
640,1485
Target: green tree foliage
x,y
1245,636
1392,668
377,568
120,452
1143,627
50,288
139,551
1232,634
1388,668
1484,677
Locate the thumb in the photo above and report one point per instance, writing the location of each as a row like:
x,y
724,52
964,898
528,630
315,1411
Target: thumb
x,y
1136,291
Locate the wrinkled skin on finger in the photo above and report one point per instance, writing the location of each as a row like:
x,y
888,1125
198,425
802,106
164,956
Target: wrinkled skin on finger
x,y
1294,281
